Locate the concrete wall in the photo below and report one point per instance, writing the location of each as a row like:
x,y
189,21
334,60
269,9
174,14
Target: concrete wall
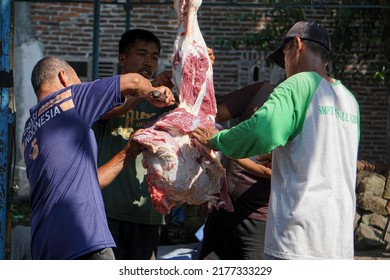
x,y
27,51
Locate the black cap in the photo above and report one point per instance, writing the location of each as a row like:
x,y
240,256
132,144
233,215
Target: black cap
x,y
307,30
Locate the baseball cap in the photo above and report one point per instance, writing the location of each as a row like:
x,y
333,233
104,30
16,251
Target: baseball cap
x,y
306,30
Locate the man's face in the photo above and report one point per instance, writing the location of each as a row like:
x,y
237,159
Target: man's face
x,y
141,58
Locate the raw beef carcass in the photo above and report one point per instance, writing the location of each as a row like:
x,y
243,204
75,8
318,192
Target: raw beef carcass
x,y
180,170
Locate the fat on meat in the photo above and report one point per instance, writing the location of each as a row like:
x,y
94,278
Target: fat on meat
x,y
179,169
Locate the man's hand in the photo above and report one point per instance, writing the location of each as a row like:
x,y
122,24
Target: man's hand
x,y
204,134
108,172
163,79
132,149
164,97
265,159
364,165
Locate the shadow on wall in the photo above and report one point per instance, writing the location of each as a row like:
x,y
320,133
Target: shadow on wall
x,y
26,56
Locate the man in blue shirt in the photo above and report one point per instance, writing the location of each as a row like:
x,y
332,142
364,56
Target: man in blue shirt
x,y
68,220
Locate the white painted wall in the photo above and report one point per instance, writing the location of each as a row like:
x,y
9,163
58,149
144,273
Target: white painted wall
x,y
27,52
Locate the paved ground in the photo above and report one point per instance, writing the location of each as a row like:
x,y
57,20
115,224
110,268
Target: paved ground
x,y
178,252
188,251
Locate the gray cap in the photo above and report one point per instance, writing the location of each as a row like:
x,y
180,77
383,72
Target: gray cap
x,y
306,30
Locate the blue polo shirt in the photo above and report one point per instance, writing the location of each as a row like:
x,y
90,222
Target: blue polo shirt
x,y
67,211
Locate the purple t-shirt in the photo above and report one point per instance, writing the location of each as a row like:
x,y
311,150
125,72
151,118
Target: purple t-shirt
x,y
67,211
249,193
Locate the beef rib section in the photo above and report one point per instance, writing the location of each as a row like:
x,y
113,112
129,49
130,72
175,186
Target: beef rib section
x,y
180,170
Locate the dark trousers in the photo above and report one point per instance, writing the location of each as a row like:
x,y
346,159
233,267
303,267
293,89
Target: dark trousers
x,y
230,237
134,241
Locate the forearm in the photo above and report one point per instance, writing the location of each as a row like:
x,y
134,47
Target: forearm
x,y
129,104
135,85
269,127
254,168
223,113
138,87
108,172
243,140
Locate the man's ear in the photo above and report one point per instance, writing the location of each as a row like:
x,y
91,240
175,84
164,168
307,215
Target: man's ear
x,y
121,60
63,77
298,43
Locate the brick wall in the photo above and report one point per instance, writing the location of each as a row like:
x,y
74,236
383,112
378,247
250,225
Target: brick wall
x,y
66,30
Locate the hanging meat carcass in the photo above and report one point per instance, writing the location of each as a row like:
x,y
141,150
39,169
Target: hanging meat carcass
x,y
180,170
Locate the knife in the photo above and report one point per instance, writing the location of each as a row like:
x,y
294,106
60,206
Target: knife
x,y
157,95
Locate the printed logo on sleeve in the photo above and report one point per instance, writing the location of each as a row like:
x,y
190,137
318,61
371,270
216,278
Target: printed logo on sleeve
x,y
47,112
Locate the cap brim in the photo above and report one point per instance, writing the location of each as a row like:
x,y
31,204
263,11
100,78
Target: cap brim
x,y
277,56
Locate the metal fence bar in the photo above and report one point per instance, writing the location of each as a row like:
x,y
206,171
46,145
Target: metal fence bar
x,y
6,83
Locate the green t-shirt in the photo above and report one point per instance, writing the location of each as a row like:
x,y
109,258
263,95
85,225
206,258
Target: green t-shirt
x,y
127,197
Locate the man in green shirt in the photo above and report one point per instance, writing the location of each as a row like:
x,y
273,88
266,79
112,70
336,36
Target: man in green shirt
x,y
132,219
310,122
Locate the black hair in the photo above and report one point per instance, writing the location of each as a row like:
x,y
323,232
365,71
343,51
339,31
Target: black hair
x,y
46,69
315,47
129,37
318,49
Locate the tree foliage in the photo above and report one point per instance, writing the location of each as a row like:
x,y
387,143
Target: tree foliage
x,y
358,48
